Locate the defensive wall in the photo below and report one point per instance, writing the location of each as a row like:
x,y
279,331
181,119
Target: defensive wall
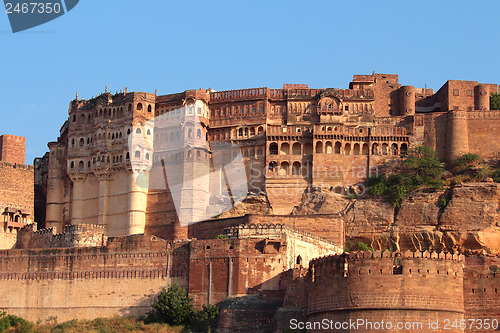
x,y
81,235
118,279
16,200
405,287
327,226
122,275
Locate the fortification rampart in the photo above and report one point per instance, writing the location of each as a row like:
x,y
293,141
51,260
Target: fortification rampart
x,y
118,279
16,200
410,286
82,235
326,226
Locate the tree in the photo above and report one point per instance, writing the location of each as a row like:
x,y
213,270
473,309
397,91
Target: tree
x,y
423,166
172,306
495,101
205,320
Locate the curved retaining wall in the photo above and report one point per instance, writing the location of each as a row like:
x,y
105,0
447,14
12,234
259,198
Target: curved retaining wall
x,y
391,287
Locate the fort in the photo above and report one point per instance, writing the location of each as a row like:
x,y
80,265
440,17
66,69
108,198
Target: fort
x,y
246,198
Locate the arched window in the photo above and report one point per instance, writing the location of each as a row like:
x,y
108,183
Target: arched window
x,y
252,131
285,149
273,166
338,147
138,131
284,169
148,132
127,157
298,261
246,131
355,150
128,131
347,149
81,165
240,132
190,133
82,142
130,107
72,164
137,154
404,148
149,108
365,149
296,169
385,149
147,156
296,148
273,149
328,148
74,118
139,106
260,130
394,149
319,147
375,149
198,133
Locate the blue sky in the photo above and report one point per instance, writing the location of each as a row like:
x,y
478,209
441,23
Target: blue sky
x,y
174,46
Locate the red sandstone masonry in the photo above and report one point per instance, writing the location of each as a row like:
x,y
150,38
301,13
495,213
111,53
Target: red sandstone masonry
x,y
351,286
327,226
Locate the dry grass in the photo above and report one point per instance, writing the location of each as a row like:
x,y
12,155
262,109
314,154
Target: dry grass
x,y
101,325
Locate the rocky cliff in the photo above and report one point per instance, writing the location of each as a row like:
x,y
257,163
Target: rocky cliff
x,y
465,217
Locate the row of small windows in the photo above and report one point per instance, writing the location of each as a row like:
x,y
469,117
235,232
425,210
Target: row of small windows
x,y
110,113
235,110
100,159
176,112
177,135
337,148
285,169
239,133
110,136
456,92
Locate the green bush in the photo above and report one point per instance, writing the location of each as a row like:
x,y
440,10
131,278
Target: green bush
x,y
423,166
205,320
495,101
420,167
172,306
465,163
351,246
442,202
11,323
220,236
378,189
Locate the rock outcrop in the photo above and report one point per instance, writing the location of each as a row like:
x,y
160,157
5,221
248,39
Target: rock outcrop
x,y
464,218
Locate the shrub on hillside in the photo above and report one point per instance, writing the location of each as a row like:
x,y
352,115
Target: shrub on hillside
x,y
205,320
172,307
10,323
420,167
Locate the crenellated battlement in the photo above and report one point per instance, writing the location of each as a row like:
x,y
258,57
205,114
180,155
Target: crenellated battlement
x,y
84,235
388,263
18,166
269,229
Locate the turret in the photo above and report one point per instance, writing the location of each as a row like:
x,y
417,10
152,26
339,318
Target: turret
x,y
407,100
482,97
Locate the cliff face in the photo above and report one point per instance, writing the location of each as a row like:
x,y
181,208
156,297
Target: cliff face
x,y
470,222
